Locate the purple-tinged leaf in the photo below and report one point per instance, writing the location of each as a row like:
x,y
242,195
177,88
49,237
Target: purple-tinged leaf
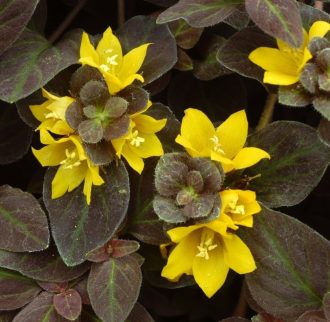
x,y
264,317
14,15
16,290
43,266
15,136
68,304
326,305
294,95
234,53
100,254
32,61
321,104
161,54
312,316
52,287
24,223
113,287
199,13
78,228
238,19
184,62
121,247
310,14
81,288
41,309
324,131
287,281
139,314
298,162
278,18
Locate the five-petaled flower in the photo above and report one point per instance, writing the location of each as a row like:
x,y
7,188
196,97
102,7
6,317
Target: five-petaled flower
x,y
140,141
283,65
74,165
118,71
224,144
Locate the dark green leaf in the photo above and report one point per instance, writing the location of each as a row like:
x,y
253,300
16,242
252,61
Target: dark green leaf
x,y
15,136
90,131
32,61
239,18
139,314
310,14
324,131
184,62
14,15
41,309
186,37
308,77
113,287
326,305
234,53
16,290
294,95
68,304
199,13
322,105
279,18
298,161
71,218
161,55
42,266
293,265
24,223
101,153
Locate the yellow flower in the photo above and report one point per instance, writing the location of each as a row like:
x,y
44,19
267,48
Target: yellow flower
x,y
238,207
74,165
283,65
51,113
224,144
118,71
140,141
207,252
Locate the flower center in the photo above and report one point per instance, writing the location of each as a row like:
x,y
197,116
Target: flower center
x,y
216,144
296,54
110,60
136,140
206,245
234,208
71,160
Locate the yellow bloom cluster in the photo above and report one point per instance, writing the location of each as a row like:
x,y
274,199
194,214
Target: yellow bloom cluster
x,y
283,65
67,152
207,251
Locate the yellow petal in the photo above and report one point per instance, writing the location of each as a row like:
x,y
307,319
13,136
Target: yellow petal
x,y
51,155
87,51
210,274
133,159
238,256
179,233
40,111
232,133
149,148
147,124
277,78
220,158
307,56
130,79
248,157
113,82
181,258
190,148
132,61
318,29
109,46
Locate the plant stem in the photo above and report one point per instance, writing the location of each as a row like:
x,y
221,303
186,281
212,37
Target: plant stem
x,y
318,5
66,22
267,113
121,12
241,307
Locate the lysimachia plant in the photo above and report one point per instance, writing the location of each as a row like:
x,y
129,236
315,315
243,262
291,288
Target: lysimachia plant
x,y
149,155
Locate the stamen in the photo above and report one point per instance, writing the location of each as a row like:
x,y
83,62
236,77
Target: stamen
x,y
108,51
105,68
112,60
136,140
206,244
216,144
67,162
52,115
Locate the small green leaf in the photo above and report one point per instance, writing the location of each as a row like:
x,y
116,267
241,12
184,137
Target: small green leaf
x,y
16,290
292,261
161,54
14,15
32,61
139,314
279,18
199,13
71,218
297,164
113,288
23,222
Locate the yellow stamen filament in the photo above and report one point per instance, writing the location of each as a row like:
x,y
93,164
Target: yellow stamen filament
x,y
68,161
52,115
216,144
206,244
236,209
136,140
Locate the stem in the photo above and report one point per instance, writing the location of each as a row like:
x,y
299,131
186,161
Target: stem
x,y
241,306
121,12
267,113
66,22
318,5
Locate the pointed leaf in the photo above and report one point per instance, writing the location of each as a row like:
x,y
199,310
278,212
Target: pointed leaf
x,y
24,223
14,15
42,266
288,281
122,247
26,67
279,18
15,136
139,314
41,309
113,287
161,54
71,218
199,13
68,304
298,161
16,290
